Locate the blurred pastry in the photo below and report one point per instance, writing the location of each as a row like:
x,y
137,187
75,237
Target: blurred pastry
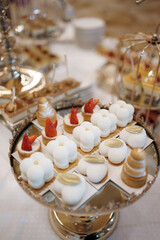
x,y
87,136
123,111
49,133
28,145
114,149
106,121
72,120
63,150
14,111
135,136
89,108
71,187
45,110
37,170
134,172
94,167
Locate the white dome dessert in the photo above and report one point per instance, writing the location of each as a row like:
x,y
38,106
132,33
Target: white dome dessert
x,y
94,167
135,136
105,120
87,136
114,149
71,187
37,170
63,151
123,111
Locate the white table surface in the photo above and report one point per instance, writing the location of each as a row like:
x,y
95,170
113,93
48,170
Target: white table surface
x,y
23,218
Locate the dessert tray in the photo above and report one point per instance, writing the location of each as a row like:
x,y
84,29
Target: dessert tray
x,y
95,216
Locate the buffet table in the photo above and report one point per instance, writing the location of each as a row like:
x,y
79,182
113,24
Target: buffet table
x,y
22,218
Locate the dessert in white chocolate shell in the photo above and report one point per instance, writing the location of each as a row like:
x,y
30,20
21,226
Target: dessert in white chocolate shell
x,y
37,170
135,136
105,120
94,167
123,111
63,151
87,136
114,149
70,186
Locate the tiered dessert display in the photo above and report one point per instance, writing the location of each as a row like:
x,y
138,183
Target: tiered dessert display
x,y
85,176
24,80
138,83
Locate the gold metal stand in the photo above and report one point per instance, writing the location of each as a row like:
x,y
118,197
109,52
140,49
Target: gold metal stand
x,y
78,227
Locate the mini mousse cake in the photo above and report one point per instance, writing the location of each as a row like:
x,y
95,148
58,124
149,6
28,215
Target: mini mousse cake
x,y
14,111
28,145
89,108
49,133
45,110
72,120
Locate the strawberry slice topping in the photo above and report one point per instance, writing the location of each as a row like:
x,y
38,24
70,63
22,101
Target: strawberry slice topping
x,y
88,107
32,138
73,116
26,144
50,128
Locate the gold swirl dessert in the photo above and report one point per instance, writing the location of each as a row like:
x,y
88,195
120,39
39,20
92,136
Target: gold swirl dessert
x,y
134,172
44,111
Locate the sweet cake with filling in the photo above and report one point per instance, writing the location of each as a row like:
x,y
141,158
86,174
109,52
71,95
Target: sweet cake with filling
x,y
49,133
89,108
87,136
45,110
134,172
105,120
94,167
37,170
72,120
123,111
114,149
28,145
63,151
70,187
135,136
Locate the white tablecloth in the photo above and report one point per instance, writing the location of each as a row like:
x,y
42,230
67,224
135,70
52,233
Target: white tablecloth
x,y
23,218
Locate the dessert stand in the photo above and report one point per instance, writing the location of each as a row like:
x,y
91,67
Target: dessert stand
x,y
98,216
146,47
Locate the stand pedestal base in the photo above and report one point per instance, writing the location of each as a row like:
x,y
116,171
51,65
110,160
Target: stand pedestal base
x,y
88,228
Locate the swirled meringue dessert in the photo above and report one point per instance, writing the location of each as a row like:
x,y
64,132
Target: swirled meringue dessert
x,y
134,172
123,111
37,170
72,120
71,187
89,108
63,151
94,167
45,110
87,136
105,120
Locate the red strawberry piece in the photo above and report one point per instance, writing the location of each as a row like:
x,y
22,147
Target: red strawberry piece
x,y
88,107
32,138
50,128
26,144
73,116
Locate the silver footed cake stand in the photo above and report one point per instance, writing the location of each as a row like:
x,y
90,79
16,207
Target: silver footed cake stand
x,y
97,217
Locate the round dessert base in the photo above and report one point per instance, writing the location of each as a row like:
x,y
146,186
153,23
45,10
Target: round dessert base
x,y
134,182
74,227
